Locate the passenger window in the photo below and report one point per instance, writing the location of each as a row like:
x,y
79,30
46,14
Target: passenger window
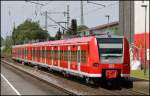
x,y
79,55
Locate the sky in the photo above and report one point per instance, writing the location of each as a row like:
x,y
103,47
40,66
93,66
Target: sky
x,y
16,12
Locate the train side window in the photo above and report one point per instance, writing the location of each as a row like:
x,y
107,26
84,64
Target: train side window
x,y
62,55
84,56
58,54
45,52
79,55
75,57
65,55
51,52
27,52
38,52
35,52
72,55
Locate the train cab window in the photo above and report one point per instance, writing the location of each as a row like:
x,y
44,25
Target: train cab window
x,y
110,50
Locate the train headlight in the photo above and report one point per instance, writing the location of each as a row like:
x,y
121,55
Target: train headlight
x,y
96,65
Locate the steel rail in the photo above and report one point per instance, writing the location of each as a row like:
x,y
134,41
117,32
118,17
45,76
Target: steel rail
x,y
112,92
42,80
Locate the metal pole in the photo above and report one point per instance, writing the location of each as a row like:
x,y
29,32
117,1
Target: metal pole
x,y
107,21
145,40
82,18
68,16
45,20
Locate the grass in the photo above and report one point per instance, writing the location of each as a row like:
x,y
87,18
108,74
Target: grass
x,y
140,74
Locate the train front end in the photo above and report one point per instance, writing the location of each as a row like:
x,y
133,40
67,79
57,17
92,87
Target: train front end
x,y
114,59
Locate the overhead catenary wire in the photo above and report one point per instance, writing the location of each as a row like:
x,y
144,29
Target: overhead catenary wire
x,y
56,22
98,9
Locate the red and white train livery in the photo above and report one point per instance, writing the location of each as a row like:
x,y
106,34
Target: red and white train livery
x,y
92,57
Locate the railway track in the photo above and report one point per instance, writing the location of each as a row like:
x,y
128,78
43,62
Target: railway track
x,y
71,87
51,84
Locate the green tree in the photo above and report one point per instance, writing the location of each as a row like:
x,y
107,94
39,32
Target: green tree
x,y
7,45
73,29
2,41
80,29
58,35
28,31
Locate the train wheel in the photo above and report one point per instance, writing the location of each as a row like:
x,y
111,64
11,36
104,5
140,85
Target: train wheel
x,y
49,69
36,68
39,67
87,80
65,74
23,63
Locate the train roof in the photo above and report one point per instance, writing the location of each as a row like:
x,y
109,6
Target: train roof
x,y
67,41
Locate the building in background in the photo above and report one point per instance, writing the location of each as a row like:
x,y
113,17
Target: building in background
x,y
132,25
102,29
111,27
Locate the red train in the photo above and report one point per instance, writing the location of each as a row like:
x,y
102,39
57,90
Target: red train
x,y
95,58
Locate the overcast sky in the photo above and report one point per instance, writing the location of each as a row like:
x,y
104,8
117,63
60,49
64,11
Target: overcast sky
x,y
16,12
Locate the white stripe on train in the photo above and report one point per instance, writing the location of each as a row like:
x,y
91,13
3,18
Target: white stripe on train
x,y
81,74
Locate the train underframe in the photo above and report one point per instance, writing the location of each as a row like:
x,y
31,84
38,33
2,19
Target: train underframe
x,y
103,81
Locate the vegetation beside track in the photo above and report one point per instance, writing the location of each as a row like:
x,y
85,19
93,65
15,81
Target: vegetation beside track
x,y
140,74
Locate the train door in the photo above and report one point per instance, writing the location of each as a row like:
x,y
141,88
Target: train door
x,y
47,54
69,57
23,53
61,56
52,56
55,56
74,63
43,49
58,56
79,57
29,53
38,54
32,53
65,58
84,58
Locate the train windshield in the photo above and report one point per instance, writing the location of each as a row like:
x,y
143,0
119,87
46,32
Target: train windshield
x,y
110,50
